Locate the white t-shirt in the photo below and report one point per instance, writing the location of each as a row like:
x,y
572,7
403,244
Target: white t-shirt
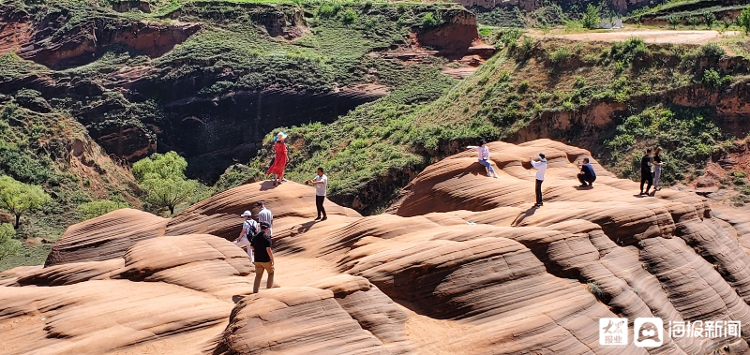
x,y
484,152
320,189
541,168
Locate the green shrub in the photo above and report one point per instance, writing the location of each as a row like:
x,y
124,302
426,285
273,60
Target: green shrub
x,y
560,55
350,16
8,245
580,82
429,20
711,50
591,17
744,19
523,86
709,18
674,21
328,10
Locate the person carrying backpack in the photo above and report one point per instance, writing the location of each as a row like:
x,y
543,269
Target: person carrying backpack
x,y
249,230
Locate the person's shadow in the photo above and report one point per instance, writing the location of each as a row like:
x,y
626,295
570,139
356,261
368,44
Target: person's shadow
x,y
266,185
579,187
528,213
304,227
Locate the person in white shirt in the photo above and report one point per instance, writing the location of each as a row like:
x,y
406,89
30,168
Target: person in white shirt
x,y
320,182
249,230
265,215
540,164
484,157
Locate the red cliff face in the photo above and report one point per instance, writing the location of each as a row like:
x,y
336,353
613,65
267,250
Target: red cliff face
x,y
81,46
454,36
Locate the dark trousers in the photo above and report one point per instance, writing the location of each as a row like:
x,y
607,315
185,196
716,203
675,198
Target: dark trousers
x,y
646,177
539,191
582,178
319,204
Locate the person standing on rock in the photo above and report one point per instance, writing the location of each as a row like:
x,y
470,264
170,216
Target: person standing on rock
x,y
587,176
484,157
261,246
265,215
646,162
320,182
658,162
249,230
280,160
540,164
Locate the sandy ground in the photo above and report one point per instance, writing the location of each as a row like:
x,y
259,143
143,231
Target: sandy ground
x,y
650,36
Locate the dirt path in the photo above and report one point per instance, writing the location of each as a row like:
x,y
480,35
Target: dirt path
x,y
650,36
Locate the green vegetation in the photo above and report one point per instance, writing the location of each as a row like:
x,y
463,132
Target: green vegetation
x,y
744,20
19,198
688,137
162,177
97,208
591,17
8,245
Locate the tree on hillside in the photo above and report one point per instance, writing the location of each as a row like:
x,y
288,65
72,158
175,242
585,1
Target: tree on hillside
x,y
709,18
591,17
162,177
744,19
674,21
8,245
19,198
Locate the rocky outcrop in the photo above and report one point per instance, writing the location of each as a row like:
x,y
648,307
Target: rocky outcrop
x,y
462,263
85,42
454,36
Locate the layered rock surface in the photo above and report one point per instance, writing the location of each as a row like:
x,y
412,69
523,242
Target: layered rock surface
x,y
462,264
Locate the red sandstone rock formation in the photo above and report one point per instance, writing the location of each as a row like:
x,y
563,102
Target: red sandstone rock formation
x,y
462,264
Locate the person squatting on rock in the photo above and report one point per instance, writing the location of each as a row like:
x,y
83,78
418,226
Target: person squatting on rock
x,y
646,176
280,160
261,246
320,182
484,157
587,174
265,215
249,230
658,162
540,164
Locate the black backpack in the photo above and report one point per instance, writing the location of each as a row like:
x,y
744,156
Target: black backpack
x,y
252,232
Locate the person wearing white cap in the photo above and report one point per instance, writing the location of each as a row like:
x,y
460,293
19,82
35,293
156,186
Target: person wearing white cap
x,y
249,230
280,160
540,164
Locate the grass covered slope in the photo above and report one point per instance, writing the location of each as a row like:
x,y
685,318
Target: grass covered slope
x,y
192,75
613,99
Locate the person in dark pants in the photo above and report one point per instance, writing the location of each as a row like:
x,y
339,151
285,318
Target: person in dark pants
x,y
320,182
646,177
261,245
540,164
587,174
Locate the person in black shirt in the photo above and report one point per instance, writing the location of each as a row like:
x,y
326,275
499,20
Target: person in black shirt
x,y
646,162
261,246
658,162
587,174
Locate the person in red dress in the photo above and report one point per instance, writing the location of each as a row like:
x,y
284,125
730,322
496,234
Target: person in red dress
x,y
279,162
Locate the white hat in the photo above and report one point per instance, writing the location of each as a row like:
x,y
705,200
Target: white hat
x,y
281,134
246,214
